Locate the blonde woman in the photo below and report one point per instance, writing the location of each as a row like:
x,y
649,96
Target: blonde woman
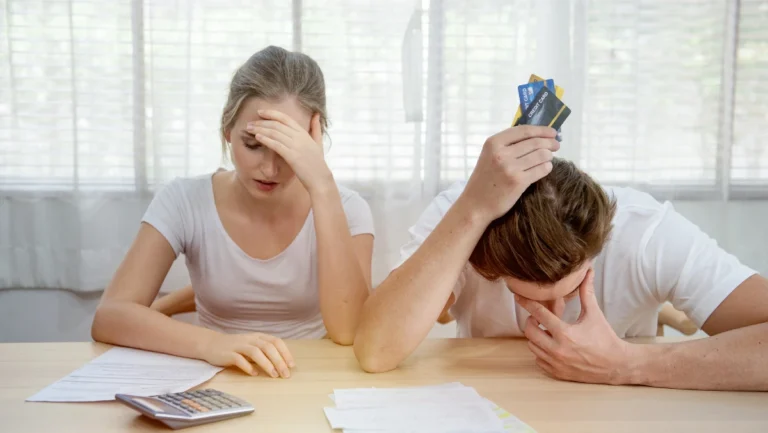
x,y
275,249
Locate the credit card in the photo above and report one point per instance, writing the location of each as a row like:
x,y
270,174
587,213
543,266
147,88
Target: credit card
x,y
534,78
546,109
529,90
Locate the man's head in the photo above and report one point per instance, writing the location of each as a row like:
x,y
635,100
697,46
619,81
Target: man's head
x,y
545,244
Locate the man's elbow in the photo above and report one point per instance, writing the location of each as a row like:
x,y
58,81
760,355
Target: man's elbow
x,y
343,339
372,360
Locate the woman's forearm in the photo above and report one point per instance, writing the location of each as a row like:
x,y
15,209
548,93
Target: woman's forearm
x,y
342,284
125,323
177,302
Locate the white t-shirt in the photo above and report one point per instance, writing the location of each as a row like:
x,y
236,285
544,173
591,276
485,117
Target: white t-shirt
x,y
654,255
236,293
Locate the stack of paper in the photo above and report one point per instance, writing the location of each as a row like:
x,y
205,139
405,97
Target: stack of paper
x,y
448,408
128,371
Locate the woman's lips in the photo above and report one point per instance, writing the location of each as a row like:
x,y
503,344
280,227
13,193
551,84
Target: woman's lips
x,y
265,186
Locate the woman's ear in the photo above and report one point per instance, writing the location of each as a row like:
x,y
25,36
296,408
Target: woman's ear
x,y
315,130
228,135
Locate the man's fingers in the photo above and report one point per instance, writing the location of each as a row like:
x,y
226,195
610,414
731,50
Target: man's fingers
x,y
516,134
537,157
524,148
547,367
538,172
275,358
587,294
540,353
537,335
540,313
240,362
260,359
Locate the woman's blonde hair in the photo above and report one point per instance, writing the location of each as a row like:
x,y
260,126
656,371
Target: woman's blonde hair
x,y
273,74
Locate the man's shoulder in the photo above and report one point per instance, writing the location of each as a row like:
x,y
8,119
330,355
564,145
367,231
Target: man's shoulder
x,y
633,205
447,197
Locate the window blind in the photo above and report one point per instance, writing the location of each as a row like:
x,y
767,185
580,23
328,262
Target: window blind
x,y
749,159
66,95
489,48
358,45
653,91
191,52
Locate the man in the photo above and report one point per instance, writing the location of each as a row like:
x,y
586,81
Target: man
x,y
531,241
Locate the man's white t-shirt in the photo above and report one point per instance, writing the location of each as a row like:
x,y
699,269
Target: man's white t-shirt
x,y
234,292
654,255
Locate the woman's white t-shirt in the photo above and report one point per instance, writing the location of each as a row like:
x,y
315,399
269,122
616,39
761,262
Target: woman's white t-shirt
x,y
236,293
654,255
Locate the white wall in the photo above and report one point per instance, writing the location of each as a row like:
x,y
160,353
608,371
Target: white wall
x,y
55,315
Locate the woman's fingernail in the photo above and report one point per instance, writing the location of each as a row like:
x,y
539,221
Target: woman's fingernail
x,y
273,373
286,373
291,364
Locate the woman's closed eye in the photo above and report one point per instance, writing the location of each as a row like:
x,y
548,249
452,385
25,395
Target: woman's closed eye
x,y
250,142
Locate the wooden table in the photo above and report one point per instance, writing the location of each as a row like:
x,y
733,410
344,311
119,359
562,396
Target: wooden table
x,y
501,370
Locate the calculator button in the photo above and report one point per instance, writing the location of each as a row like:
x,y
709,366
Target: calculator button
x,y
189,405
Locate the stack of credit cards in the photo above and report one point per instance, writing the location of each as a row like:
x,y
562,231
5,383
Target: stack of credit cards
x,y
540,104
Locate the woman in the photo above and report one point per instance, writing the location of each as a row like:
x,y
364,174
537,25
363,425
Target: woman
x,y
275,249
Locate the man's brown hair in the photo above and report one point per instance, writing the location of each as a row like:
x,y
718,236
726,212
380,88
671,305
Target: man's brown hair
x,y
558,224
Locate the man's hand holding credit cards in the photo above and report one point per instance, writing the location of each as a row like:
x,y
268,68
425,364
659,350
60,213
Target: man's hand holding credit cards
x,y
540,104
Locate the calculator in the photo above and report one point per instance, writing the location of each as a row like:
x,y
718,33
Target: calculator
x,y
187,409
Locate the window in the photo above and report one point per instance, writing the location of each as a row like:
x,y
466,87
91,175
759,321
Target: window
x,y
673,95
127,94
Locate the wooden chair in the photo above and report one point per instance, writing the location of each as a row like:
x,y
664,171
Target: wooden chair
x,y
676,320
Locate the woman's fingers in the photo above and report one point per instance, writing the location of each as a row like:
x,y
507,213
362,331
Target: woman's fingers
x,y
280,117
240,362
275,357
259,358
283,349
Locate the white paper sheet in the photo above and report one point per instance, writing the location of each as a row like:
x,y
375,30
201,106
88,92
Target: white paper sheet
x,y
476,417
128,371
444,408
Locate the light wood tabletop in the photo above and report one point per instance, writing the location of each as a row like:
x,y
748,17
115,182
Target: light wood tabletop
x,y
501,370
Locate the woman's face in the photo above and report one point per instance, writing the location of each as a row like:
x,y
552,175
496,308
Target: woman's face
x,y
262,172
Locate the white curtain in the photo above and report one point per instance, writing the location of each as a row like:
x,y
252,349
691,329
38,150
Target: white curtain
x,y
101,102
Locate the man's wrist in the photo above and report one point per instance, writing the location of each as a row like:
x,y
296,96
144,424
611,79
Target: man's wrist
x,y
471,213
642,364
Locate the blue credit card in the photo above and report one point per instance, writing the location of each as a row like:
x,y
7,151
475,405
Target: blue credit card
x,y
528,90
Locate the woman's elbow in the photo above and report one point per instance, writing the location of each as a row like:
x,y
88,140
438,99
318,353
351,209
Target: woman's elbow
x,y
98,326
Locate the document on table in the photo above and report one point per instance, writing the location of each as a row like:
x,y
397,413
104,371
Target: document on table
x,y
444,408
128,371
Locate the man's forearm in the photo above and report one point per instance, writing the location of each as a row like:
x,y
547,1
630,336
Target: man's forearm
x,y
733,360
404,307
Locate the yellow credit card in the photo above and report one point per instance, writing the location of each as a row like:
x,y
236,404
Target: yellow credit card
x,y
558,92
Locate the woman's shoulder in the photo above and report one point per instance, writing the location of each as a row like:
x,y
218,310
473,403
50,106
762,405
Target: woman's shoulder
x,y
350,197
187,186
188,194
